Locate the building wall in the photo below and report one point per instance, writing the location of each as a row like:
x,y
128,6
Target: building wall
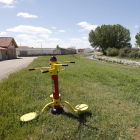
x,y
80,50
88,50
12,51
43,51
39,52
57,51
0,55
4,55
33,51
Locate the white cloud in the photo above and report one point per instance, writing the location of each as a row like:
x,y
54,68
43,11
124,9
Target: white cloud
x,y
87,26
49,39
26,37
26,15
8,6
70,30
44,36
54,39
77,40
84,34
45,44
85,38
29,29
133,37
52,42
54,27
7,1
40,40
136,26
62,31
2,33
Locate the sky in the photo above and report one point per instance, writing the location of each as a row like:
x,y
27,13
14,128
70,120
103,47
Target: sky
x,y
67,23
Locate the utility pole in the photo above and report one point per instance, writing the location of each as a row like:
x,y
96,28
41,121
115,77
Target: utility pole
x,y
41,47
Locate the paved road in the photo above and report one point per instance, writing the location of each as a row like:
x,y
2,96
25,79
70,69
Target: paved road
x,y
9,66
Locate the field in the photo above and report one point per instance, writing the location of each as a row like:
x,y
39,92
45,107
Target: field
x,y
112,92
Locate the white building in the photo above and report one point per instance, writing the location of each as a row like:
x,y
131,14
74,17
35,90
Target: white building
x,y
88,50
34,51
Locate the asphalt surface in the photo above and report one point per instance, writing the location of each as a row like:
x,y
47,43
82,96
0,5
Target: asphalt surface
x,y
13,65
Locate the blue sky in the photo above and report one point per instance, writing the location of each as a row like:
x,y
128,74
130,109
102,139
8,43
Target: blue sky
x,y
66,23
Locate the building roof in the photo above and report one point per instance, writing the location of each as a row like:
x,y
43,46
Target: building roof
x,y
88,48
3,49
5,42
80,49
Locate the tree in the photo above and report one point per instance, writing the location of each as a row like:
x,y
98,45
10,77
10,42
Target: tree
x,y
57,47
110,36
72,50
138,39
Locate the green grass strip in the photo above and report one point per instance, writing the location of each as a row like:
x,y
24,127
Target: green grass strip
x,y
112,92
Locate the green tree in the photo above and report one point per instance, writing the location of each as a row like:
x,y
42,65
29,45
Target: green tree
x,y
57,47
110,36
138,39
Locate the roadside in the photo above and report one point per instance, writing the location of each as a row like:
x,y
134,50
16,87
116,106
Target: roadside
x,y
13,65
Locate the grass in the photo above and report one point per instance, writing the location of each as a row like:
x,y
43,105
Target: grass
x,y
127,58
112,92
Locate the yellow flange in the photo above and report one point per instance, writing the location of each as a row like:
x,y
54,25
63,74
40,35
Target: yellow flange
x,y
47,106
28,117
81,107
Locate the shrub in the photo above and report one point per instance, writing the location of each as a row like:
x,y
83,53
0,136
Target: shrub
x,y
124,52
134,54
134,49
112,52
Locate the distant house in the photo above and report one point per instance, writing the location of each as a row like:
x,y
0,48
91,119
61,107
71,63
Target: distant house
x,y
7,48
65,51
61,51
80,50
22,51
57,51
88,50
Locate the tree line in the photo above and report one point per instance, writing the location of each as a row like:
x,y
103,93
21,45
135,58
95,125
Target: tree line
x,y
111,37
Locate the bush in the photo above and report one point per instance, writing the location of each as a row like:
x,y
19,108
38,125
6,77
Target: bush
x,y
134,49
124,52
134,54
112,52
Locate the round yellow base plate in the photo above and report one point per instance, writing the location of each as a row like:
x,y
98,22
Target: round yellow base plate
x,y
81,107
28,117
51,96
